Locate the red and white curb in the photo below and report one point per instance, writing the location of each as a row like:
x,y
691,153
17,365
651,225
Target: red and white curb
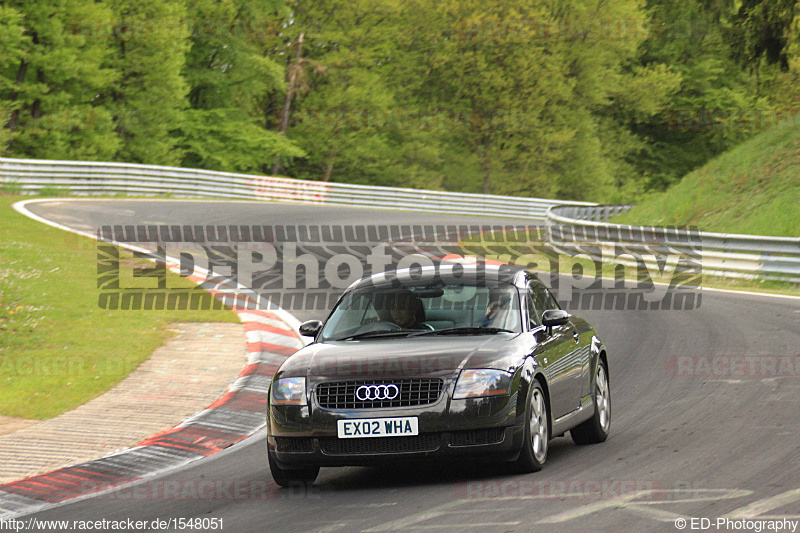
x,y
271,338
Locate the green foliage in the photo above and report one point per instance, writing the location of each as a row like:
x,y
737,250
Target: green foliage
x,y
52,84
346,116
11,38
761,30
227,139
10,187
715,103
11,43
150,41
577,99
52,191
229,74
752,189
5,134
80,132
543,92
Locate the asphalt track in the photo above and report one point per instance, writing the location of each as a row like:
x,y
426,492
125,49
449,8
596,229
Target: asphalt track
x,y
681,446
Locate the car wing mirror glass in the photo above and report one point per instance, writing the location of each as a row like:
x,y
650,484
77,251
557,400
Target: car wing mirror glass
x,y
555,317
310,328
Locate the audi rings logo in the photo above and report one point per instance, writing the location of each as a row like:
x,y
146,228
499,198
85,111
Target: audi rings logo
x,y
377,392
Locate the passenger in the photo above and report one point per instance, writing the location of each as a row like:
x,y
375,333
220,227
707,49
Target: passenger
x,y
496,314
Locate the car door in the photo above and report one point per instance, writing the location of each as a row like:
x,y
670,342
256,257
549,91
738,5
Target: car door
x,y
552,352
561,355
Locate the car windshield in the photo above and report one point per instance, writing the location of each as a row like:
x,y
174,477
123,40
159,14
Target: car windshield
x,y
392,311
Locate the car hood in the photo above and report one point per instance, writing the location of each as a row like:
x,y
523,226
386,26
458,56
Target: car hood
x,y
403,357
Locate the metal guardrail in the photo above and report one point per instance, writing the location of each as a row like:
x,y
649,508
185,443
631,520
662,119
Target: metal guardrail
x,y
30,176
572,226
581,229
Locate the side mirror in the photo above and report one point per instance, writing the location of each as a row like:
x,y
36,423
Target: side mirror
x,y
310,328
555,317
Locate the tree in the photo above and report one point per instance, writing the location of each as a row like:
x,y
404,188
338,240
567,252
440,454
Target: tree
x,y
599,43
346,115
543,93
56,81
761,29
229,73
11,50
717,103
150,40
227,139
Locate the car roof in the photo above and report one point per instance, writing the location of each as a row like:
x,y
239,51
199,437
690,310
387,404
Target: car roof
x,y
447,272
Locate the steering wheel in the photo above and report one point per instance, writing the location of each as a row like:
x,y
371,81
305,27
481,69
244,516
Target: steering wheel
x,y
381,325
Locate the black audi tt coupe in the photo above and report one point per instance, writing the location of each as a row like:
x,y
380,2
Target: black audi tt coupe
x,y
438,361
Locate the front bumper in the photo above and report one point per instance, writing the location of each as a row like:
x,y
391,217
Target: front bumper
x,y
495,443
307,435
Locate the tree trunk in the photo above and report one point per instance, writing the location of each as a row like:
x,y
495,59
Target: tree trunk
x,y
21,72
36,110
329,167
485,169
287,103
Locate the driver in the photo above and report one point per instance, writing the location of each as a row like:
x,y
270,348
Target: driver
x,y
406,310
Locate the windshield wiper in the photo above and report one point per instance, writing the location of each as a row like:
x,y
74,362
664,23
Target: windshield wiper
x,y
468,330
379,333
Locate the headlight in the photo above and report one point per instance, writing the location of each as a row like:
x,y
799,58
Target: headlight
x,y
289,391
475,383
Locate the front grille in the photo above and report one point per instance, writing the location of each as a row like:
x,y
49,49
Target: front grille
x,y
378,445
413,391
476,437
294,444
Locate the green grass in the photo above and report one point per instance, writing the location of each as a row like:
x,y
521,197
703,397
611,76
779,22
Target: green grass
x,y
52,191
58,348
10,187
752,189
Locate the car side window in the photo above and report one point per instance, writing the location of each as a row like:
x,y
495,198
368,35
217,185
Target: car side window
x,y
549,301
535,305
534,319
539,300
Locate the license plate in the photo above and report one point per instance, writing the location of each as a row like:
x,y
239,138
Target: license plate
x,y
377,427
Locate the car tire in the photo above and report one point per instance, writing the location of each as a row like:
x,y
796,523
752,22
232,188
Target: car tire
x,y
596,428
293,477
536,435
